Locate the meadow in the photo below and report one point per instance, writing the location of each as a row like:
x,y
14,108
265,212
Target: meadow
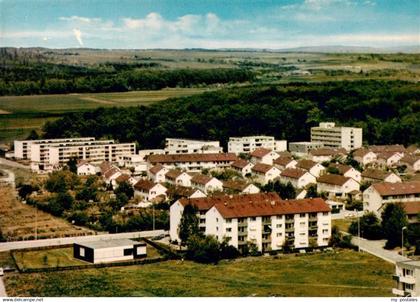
x,y
342,273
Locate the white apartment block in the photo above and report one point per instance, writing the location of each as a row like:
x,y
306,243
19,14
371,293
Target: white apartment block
x,y
348,138
303,148
407,279
248,144
377,195
22,149
302,223
179,146
57,152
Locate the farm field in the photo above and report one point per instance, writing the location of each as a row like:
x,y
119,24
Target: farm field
x,y
29,218
344,273
21,114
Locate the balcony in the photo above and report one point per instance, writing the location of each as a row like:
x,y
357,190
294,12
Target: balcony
x,y
398,292
408,280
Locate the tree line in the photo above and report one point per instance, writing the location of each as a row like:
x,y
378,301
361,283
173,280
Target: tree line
x,y
388,112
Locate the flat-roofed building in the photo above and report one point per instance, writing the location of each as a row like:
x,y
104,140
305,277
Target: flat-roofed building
x,y
407,279
333,136
303,148
180,145
248,144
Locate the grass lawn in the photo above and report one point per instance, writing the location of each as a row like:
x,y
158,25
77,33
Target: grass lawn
x,y
6,260
58,257
346,273
343,224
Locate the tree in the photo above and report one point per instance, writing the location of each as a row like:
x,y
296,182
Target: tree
x,y
333,170
72,165
311,191
125,188
394,219
203,249
285,191
370,227
189,223
65,200
228,251
26,189
33,135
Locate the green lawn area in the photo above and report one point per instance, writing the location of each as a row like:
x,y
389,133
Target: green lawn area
x,y
345,273
6,260
343,224
58,257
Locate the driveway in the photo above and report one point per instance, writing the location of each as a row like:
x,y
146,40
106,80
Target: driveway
x,y
2,288
376,248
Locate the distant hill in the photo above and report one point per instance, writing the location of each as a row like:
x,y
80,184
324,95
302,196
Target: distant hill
x,y
352,49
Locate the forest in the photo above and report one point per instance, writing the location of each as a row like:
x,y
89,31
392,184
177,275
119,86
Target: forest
x,y
388,112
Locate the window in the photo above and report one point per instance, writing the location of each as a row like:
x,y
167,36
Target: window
x,y
228,229
279,234
302,215
253,218
302,223
325,213
217,219
279,216
128,252
302,234
279,225
82,251
325,231
228,220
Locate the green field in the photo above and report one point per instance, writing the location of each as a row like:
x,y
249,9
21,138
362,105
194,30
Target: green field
x,y
345,273
20,114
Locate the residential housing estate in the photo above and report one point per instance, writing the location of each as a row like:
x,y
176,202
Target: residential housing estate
x,y
248,144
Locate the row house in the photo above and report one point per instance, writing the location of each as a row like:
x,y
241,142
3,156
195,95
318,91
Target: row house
x,y
412,210
264,156
242,166
316,169
379,194
206,183
326,154
178,178
284,162
149,190
347,171
388,159
412,162
204,204
376,175
264,173
299,178
239,187
157,173
176,192
193,162
86,168
337,185
387,148
271,225
364,156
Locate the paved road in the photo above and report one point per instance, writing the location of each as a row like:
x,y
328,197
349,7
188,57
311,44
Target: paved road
x,y
376,248
13,164
10,178
2,288
15,245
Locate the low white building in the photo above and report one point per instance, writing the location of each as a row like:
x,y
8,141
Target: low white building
x,y
149,190
133,161
375,175
316,169
264,156
297,177
284,162
86,168
364,156
204,204
103,251
176,192
180,145
347,171
303,148
248,144
269,225
239,186
388,159
157,173
264,173
193,162
242,166
336,185
326,154
178,178
377,195
407,279
206,184
145,153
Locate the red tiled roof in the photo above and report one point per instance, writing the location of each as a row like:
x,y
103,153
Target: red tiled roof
x,y
260,152
195,157
261,168
386,155
375,174
181,191
399,188
341,168
282,207
82,162
240,163
332,179
105,166
361,152
328,151
293,173
411,207
282,161
235,185
284,153
387,148
155,169
410,159
201,179
305,164
111,172
173,174
122,178
144,184
205,203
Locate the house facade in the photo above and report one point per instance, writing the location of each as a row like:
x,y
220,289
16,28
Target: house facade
x,y
264,173
178,178
157,173
263,156
248,144
336,185
297,177
316,169
242,166
206,184
149,190
407,279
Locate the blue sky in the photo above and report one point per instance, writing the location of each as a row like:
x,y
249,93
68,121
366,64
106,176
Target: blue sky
x,y
208,24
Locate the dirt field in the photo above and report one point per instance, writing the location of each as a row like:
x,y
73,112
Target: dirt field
x,y
18,221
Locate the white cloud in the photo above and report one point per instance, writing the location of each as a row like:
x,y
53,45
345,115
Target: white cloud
x,y
78,35
80,19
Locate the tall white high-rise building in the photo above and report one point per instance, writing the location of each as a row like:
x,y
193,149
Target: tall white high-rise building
x,y
332,136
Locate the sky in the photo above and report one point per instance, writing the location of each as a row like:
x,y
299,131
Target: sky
x,y
212,24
